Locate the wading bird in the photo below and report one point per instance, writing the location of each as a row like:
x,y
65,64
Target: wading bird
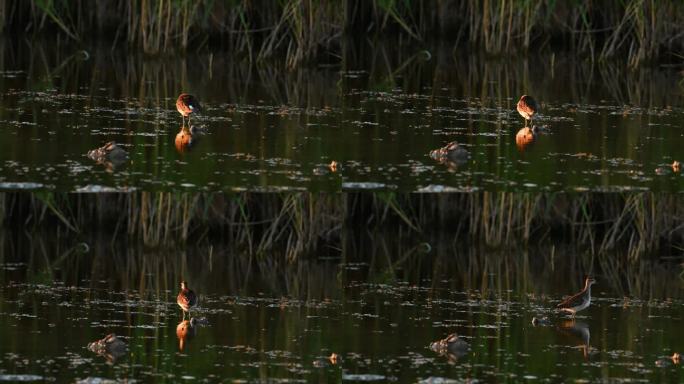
x,y
578,301
186,298
527,107
186,105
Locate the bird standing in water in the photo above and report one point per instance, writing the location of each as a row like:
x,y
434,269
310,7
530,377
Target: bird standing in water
x,y
186,105
578,301
527,107
186,298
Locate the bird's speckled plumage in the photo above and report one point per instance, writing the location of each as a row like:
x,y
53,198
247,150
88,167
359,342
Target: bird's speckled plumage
x,y
579,301
186,298
527,107
187,105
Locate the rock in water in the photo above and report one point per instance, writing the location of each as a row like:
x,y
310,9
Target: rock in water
x,y
111,347
109,154
451,153
451,346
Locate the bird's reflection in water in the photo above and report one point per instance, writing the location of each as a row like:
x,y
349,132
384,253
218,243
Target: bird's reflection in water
x,y
187,137
579,333
525,137
185,331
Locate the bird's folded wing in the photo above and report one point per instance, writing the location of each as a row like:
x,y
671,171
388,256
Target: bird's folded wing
x,y
570,301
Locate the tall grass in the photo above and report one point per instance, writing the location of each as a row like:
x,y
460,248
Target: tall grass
x,y
639,225
639,30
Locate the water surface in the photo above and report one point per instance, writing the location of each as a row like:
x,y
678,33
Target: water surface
x,y
266,320
377,112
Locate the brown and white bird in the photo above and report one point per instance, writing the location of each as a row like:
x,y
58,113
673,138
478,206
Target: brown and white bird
x,y
579,301
187,105
527,107
186,298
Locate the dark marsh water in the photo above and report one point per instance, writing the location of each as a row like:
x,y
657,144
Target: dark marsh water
x,y
377,111
377,306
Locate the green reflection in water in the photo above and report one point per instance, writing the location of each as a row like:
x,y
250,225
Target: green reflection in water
x,y
377,114
377,302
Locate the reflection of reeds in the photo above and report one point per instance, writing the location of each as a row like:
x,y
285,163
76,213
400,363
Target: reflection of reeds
x,y
638,224
300,29
156,82
386,258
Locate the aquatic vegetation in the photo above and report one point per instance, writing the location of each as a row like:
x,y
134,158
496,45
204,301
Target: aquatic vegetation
x,y
303,30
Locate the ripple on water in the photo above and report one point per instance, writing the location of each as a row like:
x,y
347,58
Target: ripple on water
x,y
366,185
438,380
22,378
10,74
438,188
362,377
21,185
94,188
99,380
